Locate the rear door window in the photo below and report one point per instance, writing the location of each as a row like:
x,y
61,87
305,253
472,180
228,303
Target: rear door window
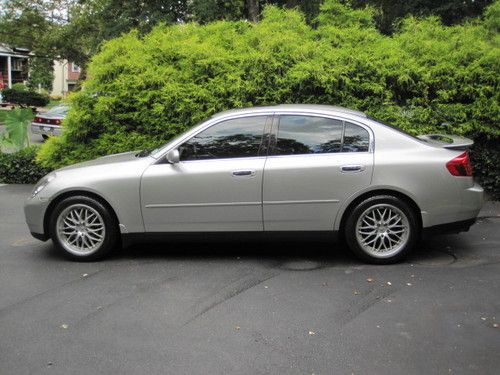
x,y
298,135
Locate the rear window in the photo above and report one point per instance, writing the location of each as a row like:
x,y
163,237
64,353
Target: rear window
x,y
58,110
394,127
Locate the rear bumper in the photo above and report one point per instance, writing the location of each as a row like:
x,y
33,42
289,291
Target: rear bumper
x,y
469,202
44,129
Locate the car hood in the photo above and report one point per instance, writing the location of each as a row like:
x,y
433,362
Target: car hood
x,y
109,159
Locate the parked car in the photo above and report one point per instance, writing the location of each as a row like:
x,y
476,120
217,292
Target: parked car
x,y
49,123
294,170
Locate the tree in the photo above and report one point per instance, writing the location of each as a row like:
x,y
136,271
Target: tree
x,y
27,27
253,10
450,11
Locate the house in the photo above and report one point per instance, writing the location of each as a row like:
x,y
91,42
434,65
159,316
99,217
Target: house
x,y
13,65
66,74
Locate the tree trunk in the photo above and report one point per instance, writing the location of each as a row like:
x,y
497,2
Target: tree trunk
x,y
253,10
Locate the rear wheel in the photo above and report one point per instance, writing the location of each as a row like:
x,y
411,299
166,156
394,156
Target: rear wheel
x,y
45,137
83,229
382,229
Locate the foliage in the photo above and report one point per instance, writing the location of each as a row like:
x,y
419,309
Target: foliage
x,y
24,25
41,73
450,11
75,29
16,134
19,87
144,89
25,98
485,157
210,10
21,167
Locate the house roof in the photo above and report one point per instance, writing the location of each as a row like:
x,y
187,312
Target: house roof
x,y
6,50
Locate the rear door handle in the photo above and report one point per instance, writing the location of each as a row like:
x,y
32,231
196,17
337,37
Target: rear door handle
x,y
352,168
243,173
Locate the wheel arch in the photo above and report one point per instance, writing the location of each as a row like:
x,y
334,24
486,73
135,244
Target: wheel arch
x,y
71,193
383,191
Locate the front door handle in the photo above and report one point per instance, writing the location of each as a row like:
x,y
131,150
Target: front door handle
x,y
243,173
352,168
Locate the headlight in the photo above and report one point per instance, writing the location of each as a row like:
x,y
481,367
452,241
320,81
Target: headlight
x,y
41,184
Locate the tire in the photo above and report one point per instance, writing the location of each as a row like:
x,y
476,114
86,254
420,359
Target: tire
x,y
45,137
382,230
83,229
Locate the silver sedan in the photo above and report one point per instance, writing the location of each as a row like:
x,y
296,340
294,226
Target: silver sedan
x,y
298,171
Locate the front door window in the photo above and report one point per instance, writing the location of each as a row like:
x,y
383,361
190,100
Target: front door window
x,y
236,138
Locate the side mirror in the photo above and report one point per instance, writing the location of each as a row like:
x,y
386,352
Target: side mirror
x,y
173,156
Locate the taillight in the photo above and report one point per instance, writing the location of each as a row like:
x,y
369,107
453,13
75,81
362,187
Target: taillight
x,y
460,166
37,119
57,122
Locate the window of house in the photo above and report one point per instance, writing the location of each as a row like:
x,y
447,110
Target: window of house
x,y
17,64
318,135
236,138
75,68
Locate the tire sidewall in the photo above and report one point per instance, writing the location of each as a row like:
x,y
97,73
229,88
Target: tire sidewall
x,y
350,229
111,233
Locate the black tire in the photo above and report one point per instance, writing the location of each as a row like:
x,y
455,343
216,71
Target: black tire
x,y
45,137
401,250
111,232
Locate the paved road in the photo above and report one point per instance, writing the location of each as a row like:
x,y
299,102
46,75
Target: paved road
x,y
248,308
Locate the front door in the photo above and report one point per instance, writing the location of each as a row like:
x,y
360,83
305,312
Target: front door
x,y
314,165
216,186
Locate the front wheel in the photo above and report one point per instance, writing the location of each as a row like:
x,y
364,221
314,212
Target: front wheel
x,y
382,230
83,229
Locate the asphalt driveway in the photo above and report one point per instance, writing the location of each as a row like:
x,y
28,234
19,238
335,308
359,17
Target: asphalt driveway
x,y
280,308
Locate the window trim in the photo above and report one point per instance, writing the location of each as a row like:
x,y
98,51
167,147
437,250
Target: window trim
x,y
275,129
160,154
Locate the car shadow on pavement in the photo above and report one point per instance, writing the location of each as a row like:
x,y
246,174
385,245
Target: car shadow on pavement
x,y
295,256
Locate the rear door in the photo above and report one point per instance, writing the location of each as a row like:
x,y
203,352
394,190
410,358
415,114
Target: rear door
x,y
315,163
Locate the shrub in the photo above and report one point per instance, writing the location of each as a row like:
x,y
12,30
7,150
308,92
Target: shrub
x,y
21,167
25,98
143,90
485,156
19,87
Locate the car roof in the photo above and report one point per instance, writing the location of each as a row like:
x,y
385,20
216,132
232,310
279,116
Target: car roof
x,y
317,108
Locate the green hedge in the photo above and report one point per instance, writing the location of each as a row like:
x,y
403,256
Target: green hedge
x,y
20,167
143,90
25,98
485,157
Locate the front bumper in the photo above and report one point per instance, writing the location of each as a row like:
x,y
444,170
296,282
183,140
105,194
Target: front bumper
x,y
34,212
44,129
